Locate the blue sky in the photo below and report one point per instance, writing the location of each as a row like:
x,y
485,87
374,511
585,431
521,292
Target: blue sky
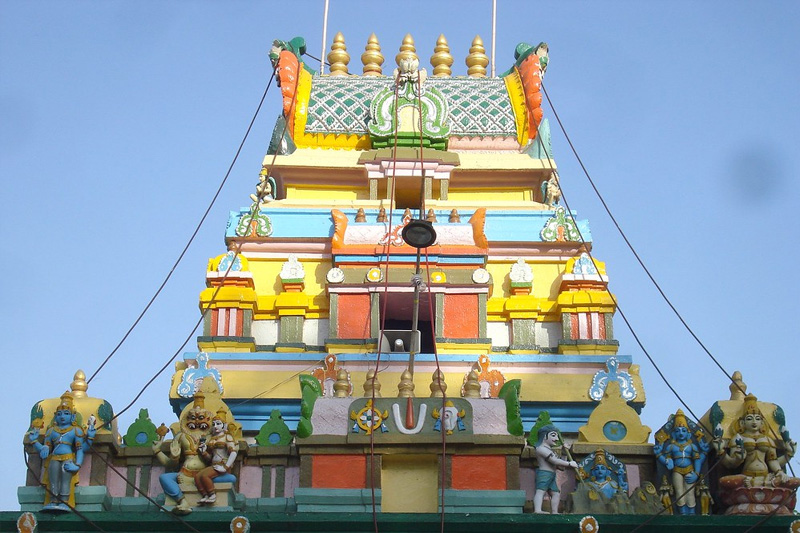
x,y
118,121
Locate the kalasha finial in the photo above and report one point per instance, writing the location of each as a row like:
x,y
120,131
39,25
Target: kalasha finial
x,y
79,385
372,387
372,58
338,56
472,387
405,389
738,387
438,385
407,50
341,387
454,216
442,60
477,60
431,217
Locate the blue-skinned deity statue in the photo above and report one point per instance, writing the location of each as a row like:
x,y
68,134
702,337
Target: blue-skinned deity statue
x,y
65,444
682,450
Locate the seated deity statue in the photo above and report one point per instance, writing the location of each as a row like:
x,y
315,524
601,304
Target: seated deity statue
x,y
759,455
184,452
220,451
602,486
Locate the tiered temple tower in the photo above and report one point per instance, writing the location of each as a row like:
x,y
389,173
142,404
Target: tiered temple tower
x,y
322,266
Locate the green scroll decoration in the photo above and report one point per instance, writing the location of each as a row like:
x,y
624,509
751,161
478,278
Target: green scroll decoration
x,y
510,393
310,390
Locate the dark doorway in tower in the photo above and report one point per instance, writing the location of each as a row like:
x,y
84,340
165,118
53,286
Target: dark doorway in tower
x,y
399,310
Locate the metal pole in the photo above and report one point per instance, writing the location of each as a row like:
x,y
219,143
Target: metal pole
x,y
415,314
325,39
494,31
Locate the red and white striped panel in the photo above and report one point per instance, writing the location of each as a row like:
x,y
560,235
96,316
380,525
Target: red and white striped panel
x,y
588,326
227,322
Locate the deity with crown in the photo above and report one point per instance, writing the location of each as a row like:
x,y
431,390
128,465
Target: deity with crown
x,y
184,451
682,449
757,455
65,444
220,451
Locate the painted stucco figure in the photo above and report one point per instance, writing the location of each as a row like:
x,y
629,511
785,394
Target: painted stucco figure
x,y
760,456
220,451
682,450
64,447
549,462
602,478
195,428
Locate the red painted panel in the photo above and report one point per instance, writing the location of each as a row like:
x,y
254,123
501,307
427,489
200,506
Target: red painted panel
x,y
574,330
214,320
339,471
461,316
479,472
353,316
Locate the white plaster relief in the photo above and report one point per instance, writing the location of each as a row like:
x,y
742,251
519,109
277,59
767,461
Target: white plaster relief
x,y
331,416
265,331
499,332
547,334
488,416
315,330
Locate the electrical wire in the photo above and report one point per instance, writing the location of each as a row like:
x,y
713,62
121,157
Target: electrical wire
x,y
54,497
255,209
644,267
191,238
658,287
387,252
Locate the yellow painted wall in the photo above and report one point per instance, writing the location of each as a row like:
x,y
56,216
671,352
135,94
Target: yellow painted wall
x,y
409,484
296,192
546,278
266,275
507,195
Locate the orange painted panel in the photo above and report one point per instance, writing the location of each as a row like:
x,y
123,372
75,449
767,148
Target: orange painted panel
x,y
339,472
461,316
479,472
353,316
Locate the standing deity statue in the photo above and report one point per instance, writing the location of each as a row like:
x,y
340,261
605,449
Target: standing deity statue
x,y
549,462
184,450
220,450
65,443
682,450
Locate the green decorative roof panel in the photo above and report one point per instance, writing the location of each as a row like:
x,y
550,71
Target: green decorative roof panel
x,y
478,106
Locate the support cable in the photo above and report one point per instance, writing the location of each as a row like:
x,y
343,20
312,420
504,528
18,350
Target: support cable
x,y
191,239
253,214
628,324
387,252
644,267
55,497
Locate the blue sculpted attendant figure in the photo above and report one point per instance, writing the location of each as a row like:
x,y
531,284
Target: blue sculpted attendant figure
x,y
65,444
548,461
683,453
602,478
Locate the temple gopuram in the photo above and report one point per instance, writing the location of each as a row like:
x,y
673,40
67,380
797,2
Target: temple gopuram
x,y
406,330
